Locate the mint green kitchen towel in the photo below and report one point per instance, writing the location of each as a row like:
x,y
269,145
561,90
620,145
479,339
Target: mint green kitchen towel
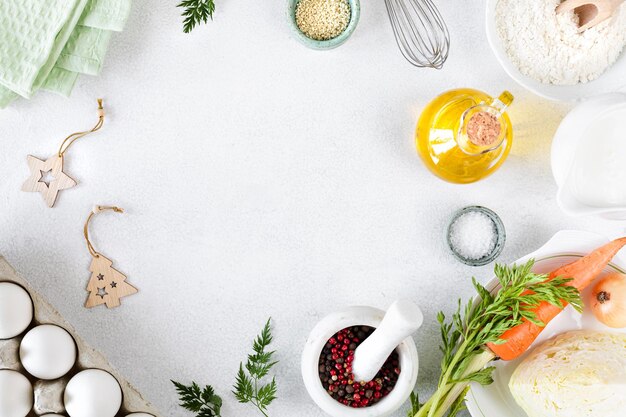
x,y
32,35
86,48
81,51
106,14
60,81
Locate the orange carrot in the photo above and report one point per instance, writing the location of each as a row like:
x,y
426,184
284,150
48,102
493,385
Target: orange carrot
x,y
583,272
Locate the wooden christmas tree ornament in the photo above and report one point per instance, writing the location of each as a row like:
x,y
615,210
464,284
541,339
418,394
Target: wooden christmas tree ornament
x,y
47,176
106,285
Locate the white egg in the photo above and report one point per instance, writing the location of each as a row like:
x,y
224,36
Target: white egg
x,y
16,310
16,394
139,415
92,393
48,352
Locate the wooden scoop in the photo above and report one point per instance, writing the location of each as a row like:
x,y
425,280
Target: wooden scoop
x,y
401,320
590,12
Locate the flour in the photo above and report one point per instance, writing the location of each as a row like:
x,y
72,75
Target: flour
x,y
549,48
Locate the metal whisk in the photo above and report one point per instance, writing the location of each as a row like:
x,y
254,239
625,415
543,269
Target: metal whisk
x,y
420,31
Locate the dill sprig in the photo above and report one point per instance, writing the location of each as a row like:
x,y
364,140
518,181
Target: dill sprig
x,y
464,336
196,12
248,387
204,402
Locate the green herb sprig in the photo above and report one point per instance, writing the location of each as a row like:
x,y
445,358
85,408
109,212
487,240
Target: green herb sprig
x,y
203,402
196,12
248,387
464,337
415,404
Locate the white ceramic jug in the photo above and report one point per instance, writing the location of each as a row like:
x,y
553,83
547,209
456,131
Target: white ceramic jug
x,y
576,130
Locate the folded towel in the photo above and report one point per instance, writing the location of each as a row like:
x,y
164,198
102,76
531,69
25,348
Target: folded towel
x,y
47,43
85,50
106,14
32,35
60,81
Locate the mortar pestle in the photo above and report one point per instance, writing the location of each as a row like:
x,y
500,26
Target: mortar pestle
x,y
393,330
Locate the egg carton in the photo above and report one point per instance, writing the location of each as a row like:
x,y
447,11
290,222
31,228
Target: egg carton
x,y
48,395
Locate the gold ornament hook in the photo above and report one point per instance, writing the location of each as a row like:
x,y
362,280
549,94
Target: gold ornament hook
x,y
68,141
94,211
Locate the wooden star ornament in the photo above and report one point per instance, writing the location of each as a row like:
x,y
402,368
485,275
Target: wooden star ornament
x,y
39,169
53,166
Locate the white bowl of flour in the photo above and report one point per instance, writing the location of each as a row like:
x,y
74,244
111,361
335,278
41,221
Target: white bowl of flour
x,y
544,52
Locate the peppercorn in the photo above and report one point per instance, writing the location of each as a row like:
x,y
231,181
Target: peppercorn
x,y
335,370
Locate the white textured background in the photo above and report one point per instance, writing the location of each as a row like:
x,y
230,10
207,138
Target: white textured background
x,y
261,179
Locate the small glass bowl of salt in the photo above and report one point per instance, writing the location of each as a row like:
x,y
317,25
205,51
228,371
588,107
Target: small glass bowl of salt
x,y
475,235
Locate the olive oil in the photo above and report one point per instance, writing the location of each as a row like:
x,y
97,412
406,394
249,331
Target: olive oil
x,y
442,136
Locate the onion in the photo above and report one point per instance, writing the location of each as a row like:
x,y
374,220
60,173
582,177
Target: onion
x,y
608,301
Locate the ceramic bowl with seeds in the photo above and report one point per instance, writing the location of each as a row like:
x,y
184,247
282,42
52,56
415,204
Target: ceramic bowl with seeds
x,y
323,24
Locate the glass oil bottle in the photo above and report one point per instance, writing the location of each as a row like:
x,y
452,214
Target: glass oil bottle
x,y
464,135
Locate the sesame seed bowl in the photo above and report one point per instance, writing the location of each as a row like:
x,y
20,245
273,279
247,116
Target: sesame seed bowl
x,y
323,24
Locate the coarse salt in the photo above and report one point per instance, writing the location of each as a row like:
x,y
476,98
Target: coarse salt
x,y
473,235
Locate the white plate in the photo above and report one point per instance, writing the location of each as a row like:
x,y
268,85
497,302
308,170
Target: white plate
x,y
613,80
495,400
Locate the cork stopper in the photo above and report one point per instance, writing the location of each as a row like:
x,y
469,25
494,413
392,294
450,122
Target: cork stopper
x,y
483,129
